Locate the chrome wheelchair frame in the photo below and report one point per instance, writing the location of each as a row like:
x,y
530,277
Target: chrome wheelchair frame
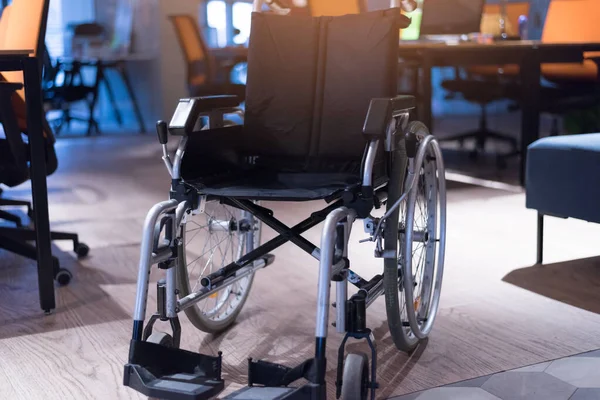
x,y
158,368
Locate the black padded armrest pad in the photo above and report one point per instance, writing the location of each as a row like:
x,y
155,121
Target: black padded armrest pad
x,y
208,103
9,87
190,109
381,111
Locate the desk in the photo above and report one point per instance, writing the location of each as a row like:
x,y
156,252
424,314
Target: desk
x,y
20,60
528,54
110,61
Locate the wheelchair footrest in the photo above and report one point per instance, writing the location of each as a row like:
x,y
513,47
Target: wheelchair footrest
x,y
172,374
262,393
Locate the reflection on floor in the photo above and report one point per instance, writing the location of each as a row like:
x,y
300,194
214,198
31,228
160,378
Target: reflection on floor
x,y
569,378
493,317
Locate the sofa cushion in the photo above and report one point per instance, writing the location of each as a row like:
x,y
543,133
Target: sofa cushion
x,y
563,176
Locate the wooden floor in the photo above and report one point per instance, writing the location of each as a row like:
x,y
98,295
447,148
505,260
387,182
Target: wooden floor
x,y
498,311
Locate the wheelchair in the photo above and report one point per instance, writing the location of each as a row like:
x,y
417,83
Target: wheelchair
x,y
311,131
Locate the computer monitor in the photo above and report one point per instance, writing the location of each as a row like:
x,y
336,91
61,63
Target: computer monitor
x,y
451,17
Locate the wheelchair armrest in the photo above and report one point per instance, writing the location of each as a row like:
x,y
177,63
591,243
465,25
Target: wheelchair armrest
x,y
381,111
189,110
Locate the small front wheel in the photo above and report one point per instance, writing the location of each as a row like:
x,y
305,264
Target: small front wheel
x,y
355,380
161,338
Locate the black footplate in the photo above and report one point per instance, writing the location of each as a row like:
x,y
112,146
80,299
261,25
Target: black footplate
x,y
268,381
274,393
172,374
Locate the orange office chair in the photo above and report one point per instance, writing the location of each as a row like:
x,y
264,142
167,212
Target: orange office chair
x,y
25,28
205,76
318,8
575,84
572,21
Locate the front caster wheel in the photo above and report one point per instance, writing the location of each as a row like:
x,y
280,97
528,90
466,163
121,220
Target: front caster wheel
x,y
355,381
161,338
82,250
63,277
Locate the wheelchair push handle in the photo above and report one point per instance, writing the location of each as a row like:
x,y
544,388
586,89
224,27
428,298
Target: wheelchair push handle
x,y
405,5
162,131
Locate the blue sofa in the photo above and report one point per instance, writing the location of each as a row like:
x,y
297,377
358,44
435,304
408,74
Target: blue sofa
x,y
563,179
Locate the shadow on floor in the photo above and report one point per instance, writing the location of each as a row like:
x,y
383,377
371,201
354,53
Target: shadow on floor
x,y
83,302
572,282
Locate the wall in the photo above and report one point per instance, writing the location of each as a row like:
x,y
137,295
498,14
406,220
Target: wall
x,y
160,82
143,72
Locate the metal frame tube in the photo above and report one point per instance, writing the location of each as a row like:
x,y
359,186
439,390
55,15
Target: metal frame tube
x,y
341,295
171,303
325,269
146,256
204,292
369,163
179,157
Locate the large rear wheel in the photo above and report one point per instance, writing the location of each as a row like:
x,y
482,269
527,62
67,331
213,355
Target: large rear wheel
x,y
415,233
209,241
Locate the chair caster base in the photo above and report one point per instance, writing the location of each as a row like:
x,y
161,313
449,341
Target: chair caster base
x,y
63,277
82,250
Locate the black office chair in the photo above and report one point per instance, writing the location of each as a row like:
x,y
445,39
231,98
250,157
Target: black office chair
x,y
14,152
63,86
14,170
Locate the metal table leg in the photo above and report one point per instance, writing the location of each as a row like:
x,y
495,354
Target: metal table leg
x,y
136,108
530,119
39,189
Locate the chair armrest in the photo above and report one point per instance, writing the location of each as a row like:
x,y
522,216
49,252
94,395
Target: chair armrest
x,y
10,87
189,110
381,112
595,59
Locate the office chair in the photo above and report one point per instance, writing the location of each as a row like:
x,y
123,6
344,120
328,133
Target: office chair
x,y
469,85
319,8
26,28
10,202
205,76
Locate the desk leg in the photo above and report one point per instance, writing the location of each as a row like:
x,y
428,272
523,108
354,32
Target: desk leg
x,y
112,99
92,123
39,189
427,94
136,108
530,119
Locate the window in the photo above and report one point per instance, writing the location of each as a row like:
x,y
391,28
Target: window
x,y
55,40
216,19
224,17
241,21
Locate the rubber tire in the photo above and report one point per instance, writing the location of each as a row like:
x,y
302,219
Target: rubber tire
x,y
356,377
193,313
161,338
63,277
390,241
82,250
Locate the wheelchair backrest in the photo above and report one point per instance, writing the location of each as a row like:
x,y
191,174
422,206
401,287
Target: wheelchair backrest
x,y
310,81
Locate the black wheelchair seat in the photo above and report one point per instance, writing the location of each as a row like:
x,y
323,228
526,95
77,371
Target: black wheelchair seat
x,y
262,184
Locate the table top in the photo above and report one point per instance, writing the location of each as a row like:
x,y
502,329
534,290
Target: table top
x,y
15,52
511,51
106,58
499,45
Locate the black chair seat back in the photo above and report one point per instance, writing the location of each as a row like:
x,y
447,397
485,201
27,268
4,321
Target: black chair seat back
x,y
310,81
